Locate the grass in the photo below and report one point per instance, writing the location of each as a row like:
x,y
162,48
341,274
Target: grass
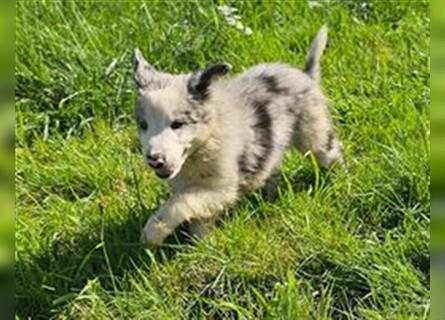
x,y
333,245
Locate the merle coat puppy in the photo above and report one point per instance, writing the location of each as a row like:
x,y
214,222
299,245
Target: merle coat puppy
x,y
215,140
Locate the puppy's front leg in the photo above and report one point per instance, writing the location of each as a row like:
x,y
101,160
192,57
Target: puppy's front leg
x,y
159,226
195,203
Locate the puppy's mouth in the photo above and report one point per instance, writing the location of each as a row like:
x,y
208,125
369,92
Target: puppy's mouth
x,y
173,173
167,173
163,174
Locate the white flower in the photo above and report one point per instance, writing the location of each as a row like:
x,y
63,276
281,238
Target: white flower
x,y
231,21
239,25
247,31
226,10
314,4
234,20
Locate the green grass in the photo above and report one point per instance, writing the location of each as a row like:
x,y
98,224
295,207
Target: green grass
x,y
333,245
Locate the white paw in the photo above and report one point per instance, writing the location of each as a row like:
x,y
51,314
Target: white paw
x,y
154,233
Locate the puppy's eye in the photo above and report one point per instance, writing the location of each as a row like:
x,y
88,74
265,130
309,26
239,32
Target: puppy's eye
x,y
177,124
143,125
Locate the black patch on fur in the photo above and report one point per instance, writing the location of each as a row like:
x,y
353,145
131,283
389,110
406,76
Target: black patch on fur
x,y
297,125
330,140
263,137
263,131
199,83
242,163
297,136
271,84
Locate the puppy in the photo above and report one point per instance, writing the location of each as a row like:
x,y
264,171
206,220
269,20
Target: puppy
x,y
216,140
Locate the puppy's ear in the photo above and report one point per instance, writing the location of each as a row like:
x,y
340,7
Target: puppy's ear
x,y
199,83
146,76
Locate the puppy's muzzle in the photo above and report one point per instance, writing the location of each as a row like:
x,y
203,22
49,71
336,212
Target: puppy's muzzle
x,y
157,162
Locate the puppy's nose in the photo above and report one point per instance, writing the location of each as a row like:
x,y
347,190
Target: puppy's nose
x,y
155,160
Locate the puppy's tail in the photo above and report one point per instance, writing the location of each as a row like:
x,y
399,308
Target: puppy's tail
x,y
312,67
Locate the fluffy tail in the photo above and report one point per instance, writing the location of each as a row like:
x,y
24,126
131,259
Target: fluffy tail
x,y
312,67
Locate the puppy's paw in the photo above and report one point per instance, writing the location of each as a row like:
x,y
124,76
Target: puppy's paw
x,y
154,233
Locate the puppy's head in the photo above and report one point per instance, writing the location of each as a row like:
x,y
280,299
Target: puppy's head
x,y
173,113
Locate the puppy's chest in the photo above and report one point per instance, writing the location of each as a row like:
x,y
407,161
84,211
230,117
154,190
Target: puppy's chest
x,y
200,169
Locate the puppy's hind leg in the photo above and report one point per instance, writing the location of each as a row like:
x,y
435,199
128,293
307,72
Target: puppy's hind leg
x,y
330,150
270,189
317,135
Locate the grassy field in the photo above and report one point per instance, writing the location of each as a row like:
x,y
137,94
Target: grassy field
x,y
333,245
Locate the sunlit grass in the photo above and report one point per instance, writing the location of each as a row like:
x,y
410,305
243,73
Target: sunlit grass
x,y
333,245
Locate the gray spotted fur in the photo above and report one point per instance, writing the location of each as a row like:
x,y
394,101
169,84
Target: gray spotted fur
x,y
234,134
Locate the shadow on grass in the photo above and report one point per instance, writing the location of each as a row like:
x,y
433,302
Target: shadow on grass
x,y
45,283
49,281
